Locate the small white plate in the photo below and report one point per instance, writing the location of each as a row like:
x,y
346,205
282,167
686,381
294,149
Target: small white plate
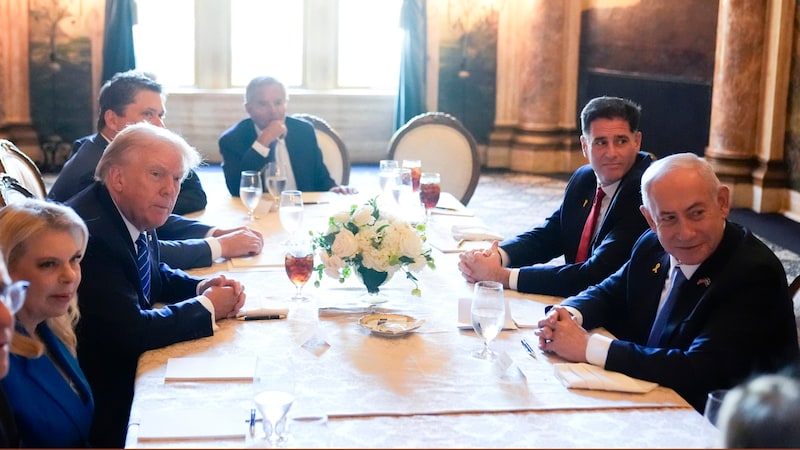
x,y
390,325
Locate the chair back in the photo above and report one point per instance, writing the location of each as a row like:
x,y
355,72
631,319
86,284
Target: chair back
x,y
11,190
17,164
443,145
334,152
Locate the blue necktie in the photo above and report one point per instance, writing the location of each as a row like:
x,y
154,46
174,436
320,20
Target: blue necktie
x,y
666,310
143,264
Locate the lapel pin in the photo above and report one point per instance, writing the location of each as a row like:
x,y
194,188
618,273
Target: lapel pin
x,y
704,281
656,267
585,202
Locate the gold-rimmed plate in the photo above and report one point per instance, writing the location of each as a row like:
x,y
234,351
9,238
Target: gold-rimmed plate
x,y
390,325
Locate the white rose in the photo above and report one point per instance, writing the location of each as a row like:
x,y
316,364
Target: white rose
x,y
363,216
341,217
345,244
410,242
333,266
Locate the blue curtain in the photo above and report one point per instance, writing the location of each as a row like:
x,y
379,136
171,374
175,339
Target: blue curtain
x,y
411,94
118,53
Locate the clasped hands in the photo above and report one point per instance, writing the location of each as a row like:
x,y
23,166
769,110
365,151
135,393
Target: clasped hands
x,y
560,333
226,294
483,265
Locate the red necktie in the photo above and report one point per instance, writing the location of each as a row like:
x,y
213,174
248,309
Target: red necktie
x,y
588,228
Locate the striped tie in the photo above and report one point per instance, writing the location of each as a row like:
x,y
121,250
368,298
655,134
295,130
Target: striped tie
x,y
143,264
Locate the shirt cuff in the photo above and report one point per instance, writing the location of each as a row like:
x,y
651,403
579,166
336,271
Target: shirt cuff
x,y
513,276
504,259
206,302
216,248
597,349
262,149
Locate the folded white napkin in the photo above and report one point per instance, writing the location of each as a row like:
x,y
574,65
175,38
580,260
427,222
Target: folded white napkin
x,y
587,376
261,312
474,233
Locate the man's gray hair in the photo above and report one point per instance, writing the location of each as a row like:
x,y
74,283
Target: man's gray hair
x,y
259,82
142,135
662,166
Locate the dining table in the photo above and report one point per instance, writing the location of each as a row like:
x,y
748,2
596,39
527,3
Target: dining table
x,y
419,389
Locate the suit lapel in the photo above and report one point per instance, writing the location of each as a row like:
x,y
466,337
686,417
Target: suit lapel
x,y
44,373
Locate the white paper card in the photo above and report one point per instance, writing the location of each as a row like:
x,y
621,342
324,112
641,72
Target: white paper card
x,y
222,368
465,316
193,424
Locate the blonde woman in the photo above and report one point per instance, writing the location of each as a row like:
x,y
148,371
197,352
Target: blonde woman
x,y
43,243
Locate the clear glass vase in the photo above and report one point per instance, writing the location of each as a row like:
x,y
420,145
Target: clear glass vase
x,y
373,280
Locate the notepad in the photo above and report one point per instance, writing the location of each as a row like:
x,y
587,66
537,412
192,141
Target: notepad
x,y
193,424
314,198
223,368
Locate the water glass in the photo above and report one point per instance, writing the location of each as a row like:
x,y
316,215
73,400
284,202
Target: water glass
x,y
711,413
250,191
291,212
386,173
276,179
488,311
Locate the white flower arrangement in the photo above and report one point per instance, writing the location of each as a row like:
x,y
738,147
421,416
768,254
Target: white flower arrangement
x,y
367,238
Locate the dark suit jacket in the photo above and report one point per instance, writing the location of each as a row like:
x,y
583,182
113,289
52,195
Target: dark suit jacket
x,y
9,437
117,324
734,318
47,411
561,233
310,172
182,246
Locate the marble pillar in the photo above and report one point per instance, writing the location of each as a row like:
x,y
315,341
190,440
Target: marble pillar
x,y
538,49
15,112
748,105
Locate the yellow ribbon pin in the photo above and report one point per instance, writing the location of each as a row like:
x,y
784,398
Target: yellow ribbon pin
x,y
585,202
656,267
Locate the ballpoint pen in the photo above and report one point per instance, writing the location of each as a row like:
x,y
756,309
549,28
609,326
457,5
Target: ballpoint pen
x,y
268,317
252,422
528,348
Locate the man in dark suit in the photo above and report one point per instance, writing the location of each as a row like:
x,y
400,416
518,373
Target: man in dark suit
x,y
701,305
140,174
268,135
610,141
131,97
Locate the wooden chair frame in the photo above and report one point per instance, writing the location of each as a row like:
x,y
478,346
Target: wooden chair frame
x,y
321,126
10,150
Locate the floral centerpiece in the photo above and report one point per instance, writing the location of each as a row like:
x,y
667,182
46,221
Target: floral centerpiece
x,y
374,245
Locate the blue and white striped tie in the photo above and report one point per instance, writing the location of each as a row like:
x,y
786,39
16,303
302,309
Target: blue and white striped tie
x,y
143,264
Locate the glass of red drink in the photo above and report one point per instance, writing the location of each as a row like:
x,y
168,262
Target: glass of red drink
x,y
416,171
429,190
299,263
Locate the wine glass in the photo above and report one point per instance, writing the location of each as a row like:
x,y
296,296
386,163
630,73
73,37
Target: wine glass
x,y
711,413
250,191
429,190
276,179
386,173
299,263
274,384
402,185
291,212
488,312
416,171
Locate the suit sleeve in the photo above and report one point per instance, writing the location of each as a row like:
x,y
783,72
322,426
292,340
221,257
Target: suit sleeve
x,y
185,253
178,227
192,197
110,307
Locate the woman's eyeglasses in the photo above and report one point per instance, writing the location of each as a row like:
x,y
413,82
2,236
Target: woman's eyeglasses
x,y
13,295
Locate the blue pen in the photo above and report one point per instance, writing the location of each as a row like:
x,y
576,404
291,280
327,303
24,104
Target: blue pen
x,y
252,422
528,348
